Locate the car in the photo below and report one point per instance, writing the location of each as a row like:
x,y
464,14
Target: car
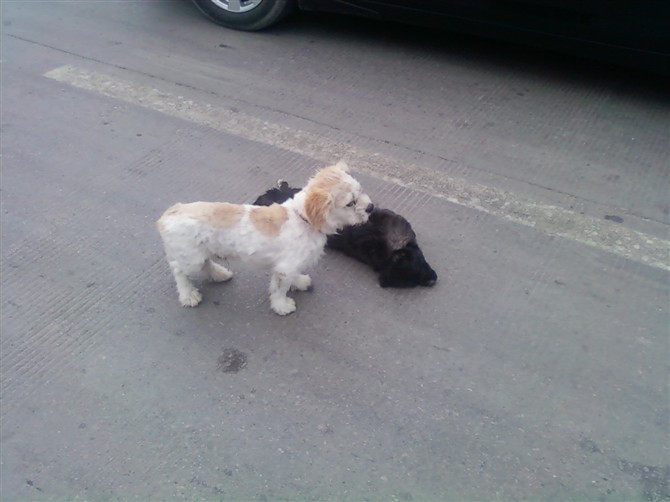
x,y
632,33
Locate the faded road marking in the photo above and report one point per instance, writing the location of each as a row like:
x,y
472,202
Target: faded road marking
x,y
599,233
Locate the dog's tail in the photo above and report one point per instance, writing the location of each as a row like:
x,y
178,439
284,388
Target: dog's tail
x,y
160,222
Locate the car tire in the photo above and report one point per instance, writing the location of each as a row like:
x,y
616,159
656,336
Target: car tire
x,y
248,15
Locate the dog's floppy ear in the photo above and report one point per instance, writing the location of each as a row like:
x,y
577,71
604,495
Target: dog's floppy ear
x,y
317,203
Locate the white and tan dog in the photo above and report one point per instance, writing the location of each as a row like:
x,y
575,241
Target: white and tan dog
x,y
289,237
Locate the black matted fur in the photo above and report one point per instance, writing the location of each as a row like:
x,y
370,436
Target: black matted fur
x,y
282,193
386,242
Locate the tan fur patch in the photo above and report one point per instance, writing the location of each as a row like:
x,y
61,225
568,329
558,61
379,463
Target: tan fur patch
x,y
225,215
327,178
216,214
268,220
317,203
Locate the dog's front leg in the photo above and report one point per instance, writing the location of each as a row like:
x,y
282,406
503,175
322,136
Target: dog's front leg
x,y
189,296
279,286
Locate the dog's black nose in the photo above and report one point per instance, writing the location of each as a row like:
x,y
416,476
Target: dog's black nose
x,y
370,207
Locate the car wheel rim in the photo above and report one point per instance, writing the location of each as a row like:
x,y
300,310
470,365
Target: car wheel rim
x,y
237,5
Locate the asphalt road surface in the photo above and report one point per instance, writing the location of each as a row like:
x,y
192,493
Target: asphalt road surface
x,y
535,369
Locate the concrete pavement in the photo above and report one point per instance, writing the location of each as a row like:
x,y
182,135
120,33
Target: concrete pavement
x,y
536,368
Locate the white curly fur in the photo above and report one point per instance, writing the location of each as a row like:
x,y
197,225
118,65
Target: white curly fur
x,y
288,238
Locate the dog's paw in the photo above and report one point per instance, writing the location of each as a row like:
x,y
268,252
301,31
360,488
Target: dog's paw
x,y
283,306
302,283
191,299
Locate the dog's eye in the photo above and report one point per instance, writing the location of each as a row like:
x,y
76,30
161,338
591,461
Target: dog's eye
x,y
352,203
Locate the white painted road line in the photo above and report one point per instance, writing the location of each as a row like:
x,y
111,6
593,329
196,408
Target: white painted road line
x,y
553,220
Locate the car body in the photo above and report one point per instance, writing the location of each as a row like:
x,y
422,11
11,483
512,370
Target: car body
x,y
631,33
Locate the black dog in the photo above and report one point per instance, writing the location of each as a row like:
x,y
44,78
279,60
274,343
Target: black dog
x,y
386,242
276,195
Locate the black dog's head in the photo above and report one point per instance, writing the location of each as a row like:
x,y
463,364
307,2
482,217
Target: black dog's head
x,y
407,268
386,242
403,264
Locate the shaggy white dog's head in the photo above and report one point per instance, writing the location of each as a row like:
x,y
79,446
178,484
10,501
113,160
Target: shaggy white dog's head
x,y
333,199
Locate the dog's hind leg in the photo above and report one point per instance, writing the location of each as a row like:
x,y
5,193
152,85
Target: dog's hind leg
x,y
217,272
301,282
189,296
279,286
